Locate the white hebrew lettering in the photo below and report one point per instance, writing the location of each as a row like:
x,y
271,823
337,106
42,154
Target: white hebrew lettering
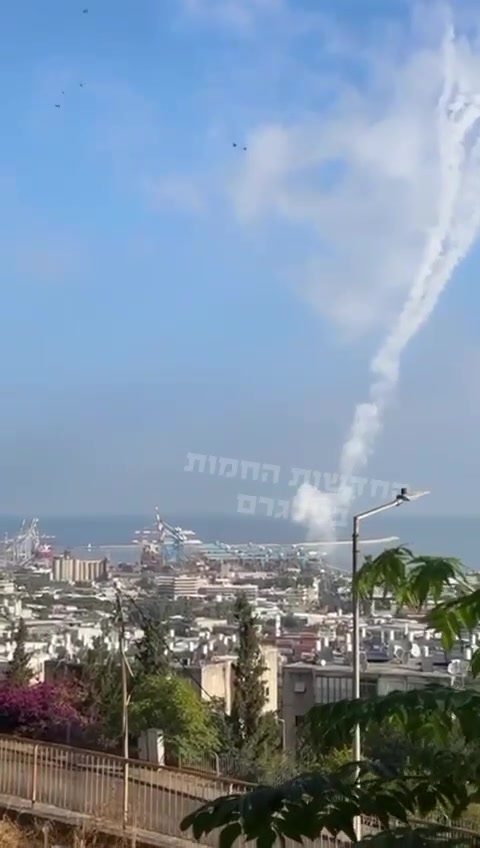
x,y
359,484
247,466
246,504
299,476
268,503
274,470
331,482
193,459
283,509
212,464
227,467
380,488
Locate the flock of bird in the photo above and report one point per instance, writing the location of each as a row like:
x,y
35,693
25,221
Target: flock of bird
x,y
82,85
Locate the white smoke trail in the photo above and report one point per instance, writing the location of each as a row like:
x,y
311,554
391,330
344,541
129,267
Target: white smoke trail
x,y
458,224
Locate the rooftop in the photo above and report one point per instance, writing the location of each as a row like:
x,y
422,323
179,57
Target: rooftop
x,y
373,669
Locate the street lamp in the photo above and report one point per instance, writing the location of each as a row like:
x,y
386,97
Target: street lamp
x,y
403,497
125,671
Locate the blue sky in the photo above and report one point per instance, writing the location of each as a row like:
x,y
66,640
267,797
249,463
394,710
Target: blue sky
x,y
164,292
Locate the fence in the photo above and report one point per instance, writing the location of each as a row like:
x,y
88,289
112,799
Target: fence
x,y
107,789
69,783
229,766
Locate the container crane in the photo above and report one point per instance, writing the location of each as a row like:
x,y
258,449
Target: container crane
x,y
171,539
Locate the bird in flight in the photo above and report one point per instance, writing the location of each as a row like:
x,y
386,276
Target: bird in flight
x,y
57,105
81,84
234,144
85,11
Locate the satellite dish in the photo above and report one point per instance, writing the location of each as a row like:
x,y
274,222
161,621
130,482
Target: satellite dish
x,y
454,667
415,651
396,652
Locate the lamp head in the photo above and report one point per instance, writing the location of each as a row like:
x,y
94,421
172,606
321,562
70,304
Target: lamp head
x,y
405,497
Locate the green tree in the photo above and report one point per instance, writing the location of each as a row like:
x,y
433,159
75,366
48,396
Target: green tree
x,y
20,673
439,725
170,703
101,676
249,697
151,654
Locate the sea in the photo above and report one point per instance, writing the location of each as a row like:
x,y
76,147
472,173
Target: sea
x,y
452,536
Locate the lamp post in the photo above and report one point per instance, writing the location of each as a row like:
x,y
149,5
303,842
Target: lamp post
x,y
403,497
125,670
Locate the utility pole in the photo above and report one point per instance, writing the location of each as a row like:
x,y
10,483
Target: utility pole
x,y
403,497
125,670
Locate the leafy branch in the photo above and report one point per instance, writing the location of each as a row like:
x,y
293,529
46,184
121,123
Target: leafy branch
x,y
428,714
302,808
441,775
412,580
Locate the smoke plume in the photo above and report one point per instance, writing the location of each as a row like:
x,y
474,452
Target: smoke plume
x,y
446,245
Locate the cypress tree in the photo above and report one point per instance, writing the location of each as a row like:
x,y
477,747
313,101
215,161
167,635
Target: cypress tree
x,y
20,673
249,697
150,654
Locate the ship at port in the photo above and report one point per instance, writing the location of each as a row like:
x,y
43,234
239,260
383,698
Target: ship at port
x,y
164,544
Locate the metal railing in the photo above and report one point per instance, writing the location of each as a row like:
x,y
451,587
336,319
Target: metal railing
x,y
81,783
73,784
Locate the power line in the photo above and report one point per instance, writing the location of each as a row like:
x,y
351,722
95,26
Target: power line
x,y
149,622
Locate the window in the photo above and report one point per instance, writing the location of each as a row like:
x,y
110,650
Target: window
x,y
331,688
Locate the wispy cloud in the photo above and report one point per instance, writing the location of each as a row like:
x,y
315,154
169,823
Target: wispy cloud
x,y
361,176
346,154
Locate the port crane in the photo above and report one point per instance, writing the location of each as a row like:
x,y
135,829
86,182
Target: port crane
x,y
171,540
168,544
28,544
21,549
164,544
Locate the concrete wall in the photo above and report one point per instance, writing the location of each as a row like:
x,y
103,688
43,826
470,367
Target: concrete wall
x,y
215,679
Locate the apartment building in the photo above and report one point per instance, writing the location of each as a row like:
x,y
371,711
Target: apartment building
x,y
215,678
178,586
230,590
302,596
307,684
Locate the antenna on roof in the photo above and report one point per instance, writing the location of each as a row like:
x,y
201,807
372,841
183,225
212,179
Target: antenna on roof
x,y
458,670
